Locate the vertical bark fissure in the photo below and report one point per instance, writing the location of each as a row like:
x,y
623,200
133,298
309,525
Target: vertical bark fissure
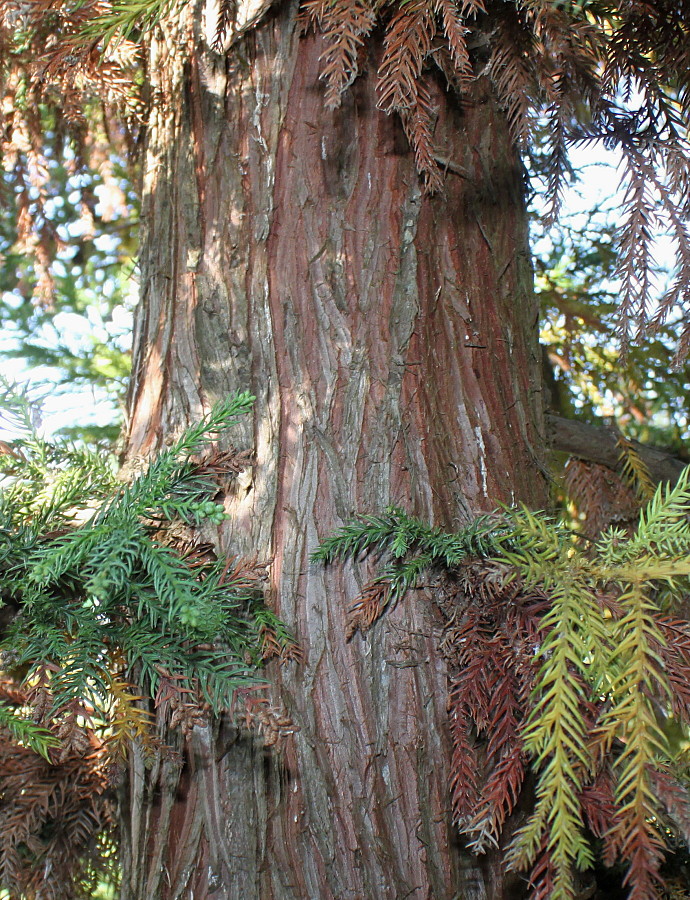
x,y
389,338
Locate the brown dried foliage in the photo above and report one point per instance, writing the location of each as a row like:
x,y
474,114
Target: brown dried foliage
x,y
676,658
56,89
180,707
489,642
54,816
273,648
492,630
225,464
368,607
557,68
345,24
260,715
616,73
602,498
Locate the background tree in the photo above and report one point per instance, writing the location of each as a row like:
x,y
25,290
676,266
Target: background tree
x,y
68,214
389,331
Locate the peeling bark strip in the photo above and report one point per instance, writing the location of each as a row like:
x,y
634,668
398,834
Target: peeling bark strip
x,y
390,339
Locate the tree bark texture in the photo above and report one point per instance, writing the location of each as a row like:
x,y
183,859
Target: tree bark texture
x,y
390,339
600,445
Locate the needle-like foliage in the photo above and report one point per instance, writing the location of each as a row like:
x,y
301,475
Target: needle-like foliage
x,y
112,612
560,661
113,586
607,72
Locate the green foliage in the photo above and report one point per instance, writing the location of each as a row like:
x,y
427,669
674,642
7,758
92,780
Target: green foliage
x,y
607,672
25,732
125,19
587,377
412,545
67,242
108,596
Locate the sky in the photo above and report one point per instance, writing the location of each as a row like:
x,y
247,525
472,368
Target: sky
x,y
62,407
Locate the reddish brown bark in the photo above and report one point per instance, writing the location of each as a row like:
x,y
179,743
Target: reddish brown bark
x,y
390,339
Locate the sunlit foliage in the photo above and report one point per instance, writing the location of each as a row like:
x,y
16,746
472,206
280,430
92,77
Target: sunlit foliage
x,y
561,663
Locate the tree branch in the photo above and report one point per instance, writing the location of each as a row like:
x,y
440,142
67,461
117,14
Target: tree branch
x,y
598,444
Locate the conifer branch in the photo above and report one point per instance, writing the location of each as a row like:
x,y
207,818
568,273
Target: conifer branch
x,y
592,662
107,588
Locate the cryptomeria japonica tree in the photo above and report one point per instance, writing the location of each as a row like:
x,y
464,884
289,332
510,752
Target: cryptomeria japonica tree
x,y
334,218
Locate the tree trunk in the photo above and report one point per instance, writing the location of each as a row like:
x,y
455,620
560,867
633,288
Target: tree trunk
x,y
390,339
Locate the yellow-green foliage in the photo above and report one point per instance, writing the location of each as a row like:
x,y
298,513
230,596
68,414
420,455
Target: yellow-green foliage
x,y
590,653
608,674
634,471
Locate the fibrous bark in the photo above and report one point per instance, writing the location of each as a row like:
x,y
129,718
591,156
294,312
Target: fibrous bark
x,y
390,339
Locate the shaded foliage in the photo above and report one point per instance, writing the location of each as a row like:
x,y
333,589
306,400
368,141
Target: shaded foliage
x,y
586,377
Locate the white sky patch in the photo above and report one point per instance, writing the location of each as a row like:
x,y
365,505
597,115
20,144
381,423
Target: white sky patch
x,y
59,406
597,197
